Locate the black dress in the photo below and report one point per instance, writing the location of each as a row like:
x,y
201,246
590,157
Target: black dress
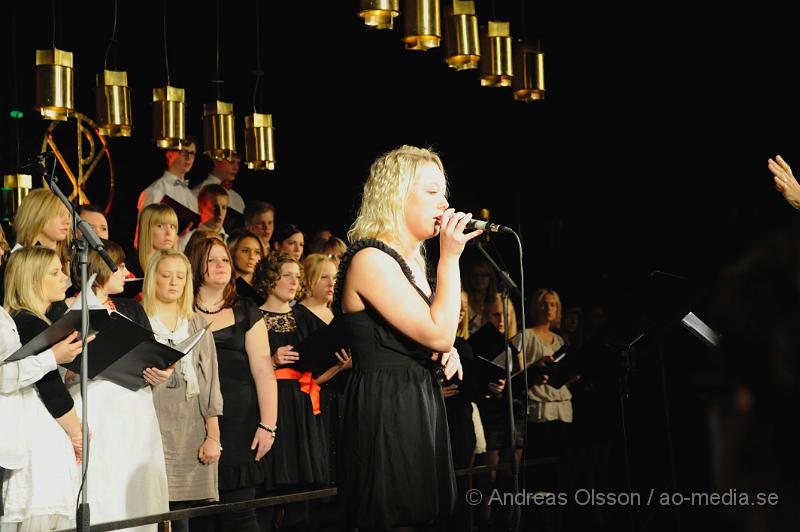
x,y
245,289
395,467
237,466
299,454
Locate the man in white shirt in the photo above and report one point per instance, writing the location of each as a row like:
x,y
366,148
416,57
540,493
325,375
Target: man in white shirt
x,y
224,173
173,183
213,204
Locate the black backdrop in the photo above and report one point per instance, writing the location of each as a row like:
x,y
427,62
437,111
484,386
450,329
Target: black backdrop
x,y
648,153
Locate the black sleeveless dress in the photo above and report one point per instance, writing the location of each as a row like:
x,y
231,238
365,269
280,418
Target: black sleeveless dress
x,y
300,452
395,467
237,465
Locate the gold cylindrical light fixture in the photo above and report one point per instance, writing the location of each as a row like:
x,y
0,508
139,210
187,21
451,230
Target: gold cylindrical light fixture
x,y
15,188
496,66
114,104
461,42
218,134
423,27
54,84
259,138
169,117
379,14
528,81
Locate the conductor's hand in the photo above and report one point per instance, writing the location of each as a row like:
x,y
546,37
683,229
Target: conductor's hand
x,y
452,364
285,355
450,390
67,349
262,443
155,376
209,452
451,233
785,182
497,387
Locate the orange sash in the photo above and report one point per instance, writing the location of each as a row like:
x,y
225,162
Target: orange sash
x,y
307,384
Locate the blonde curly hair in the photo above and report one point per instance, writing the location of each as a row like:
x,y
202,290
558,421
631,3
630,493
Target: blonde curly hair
x,y
390,179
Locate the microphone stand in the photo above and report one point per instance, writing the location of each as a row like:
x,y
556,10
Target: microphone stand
x,y
88,239
508,285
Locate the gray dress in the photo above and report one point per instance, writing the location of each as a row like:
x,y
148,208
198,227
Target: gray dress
x,y
183,421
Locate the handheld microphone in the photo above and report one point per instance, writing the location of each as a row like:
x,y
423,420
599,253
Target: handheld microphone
x,y
487,227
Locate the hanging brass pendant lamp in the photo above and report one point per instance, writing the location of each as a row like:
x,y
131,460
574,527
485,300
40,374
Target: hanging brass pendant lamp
x,y
169,117
423,27
218,134
496,66
15,188
54,84
461,42
379,14
528,81
114,104
259,138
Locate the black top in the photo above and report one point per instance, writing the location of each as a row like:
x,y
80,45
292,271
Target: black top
x,y
237,466
245,289
51,388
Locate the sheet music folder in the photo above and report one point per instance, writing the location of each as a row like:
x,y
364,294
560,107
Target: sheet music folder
x,y
133,287
123,350
120,352
63,327
318,350
479,372
486,341
187,218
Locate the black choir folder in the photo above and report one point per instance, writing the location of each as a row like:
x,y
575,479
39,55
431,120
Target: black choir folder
x,y
318,350
133,287
187,218
488,341
121,350
484,370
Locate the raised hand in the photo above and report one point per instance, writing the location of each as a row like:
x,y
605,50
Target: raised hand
x,y
451,233
785,182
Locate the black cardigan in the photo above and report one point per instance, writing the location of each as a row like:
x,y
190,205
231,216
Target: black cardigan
x,y
51,387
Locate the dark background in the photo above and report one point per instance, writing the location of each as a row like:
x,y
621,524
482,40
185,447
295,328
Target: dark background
x,y
649,152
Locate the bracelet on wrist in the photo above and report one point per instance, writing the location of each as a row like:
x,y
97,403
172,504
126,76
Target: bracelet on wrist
x,y
215,441
271,429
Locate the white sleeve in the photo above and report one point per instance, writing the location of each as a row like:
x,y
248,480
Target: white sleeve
x,y
21,373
